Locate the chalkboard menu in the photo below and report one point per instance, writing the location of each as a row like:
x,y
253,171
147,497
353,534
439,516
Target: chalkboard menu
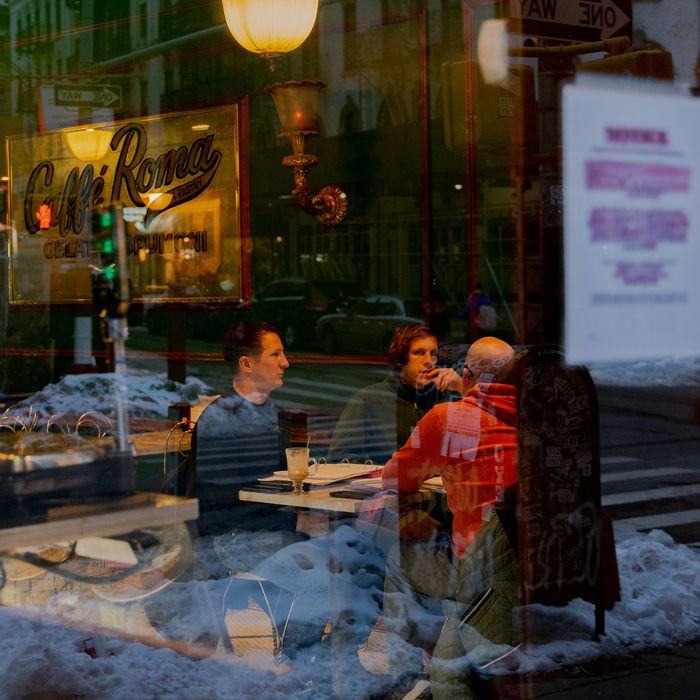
x,y
559,474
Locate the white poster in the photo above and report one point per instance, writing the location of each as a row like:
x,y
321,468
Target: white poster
x,y
631,224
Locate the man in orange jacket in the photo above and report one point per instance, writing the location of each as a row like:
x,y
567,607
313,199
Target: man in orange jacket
x,y
472,444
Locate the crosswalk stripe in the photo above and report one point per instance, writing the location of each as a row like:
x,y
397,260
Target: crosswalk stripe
x,y
648,522
618,460
335,388
325,395
643,474
335,394
616,499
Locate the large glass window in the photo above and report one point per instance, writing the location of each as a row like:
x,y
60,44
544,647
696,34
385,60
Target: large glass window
x,y
521,171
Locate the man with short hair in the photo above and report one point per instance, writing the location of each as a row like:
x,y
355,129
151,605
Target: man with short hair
x,y
254,353
472,444
237,437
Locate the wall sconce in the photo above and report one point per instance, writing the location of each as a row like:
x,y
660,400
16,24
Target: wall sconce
x,y
297,104
88,144
270,27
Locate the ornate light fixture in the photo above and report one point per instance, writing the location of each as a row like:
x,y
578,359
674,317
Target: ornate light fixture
x,y
89,144
270,27
297,104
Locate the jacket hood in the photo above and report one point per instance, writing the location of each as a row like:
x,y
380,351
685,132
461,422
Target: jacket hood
x,y
499,399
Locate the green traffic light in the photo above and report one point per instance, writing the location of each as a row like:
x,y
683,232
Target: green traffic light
x,y
110,273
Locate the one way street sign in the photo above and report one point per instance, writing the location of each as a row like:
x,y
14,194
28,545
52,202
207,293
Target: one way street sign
x,y
580,20
88,96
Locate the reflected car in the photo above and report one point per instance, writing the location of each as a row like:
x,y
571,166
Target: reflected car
x,y
294,305
367,327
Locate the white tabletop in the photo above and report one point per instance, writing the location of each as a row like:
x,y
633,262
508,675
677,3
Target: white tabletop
x,y
320,498
316,499
156,442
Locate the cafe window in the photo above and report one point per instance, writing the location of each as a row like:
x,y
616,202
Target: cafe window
x,y
507,175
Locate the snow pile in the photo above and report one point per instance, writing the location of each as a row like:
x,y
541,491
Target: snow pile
x,y
43,657
659,607
663,372
146,395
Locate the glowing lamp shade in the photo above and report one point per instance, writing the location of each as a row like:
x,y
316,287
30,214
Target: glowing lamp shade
x,y
270,27
298,104
89,144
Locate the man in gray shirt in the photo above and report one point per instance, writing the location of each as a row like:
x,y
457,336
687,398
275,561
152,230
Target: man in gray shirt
x,y
237,437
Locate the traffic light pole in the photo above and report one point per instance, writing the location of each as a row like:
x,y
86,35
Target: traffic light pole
x,y
118,330
110,288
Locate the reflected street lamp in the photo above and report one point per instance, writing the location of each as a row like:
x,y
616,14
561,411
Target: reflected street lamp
x,y
270,28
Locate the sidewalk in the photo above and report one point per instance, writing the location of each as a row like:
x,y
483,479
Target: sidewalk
x,y
651,674
667,673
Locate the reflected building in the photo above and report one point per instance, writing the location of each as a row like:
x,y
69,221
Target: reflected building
x,y
449,143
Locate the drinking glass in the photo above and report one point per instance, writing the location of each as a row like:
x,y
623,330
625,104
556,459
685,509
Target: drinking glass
x,y
299,466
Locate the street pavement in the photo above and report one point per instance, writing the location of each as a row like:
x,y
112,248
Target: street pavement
x,y
650,460
662,674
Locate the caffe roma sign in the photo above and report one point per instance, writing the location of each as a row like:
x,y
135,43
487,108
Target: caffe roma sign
x,y
177,179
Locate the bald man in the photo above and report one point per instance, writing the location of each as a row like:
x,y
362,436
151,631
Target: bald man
x,y
472,444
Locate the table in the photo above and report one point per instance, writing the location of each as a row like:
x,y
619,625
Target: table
x,y
156,442
32,586
315,499
319,498
110,517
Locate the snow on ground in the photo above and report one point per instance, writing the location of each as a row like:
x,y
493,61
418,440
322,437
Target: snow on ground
x,y
660,607
664,372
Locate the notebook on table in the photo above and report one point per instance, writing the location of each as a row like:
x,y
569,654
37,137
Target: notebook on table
x,y
330,473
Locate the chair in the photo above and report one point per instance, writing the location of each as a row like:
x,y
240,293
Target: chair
x,y
255,626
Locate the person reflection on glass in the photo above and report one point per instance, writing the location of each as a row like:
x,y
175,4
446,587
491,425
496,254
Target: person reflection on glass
x,y
237,437
471,444
379,418
235,441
